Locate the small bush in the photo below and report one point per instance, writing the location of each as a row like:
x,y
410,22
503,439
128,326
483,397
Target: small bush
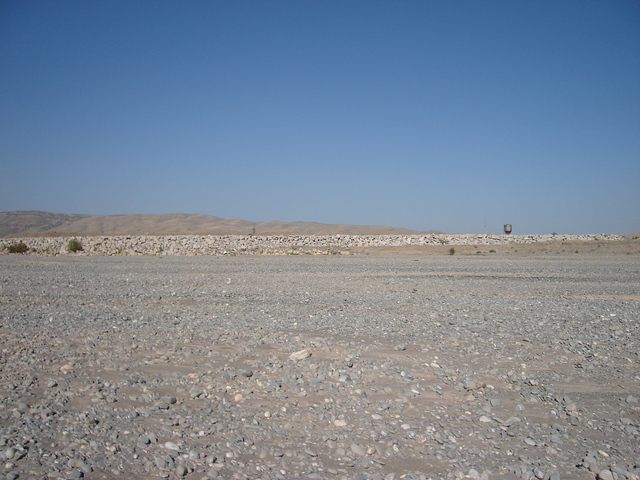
x,y
492,251
19,247
74,246
452,251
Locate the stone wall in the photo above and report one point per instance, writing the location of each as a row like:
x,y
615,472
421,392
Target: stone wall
x,y
273,244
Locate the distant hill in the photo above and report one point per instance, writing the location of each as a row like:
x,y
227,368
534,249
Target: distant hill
x,y
12,223
36,223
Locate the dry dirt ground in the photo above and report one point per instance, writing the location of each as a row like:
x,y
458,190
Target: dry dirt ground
x,y
629,246
493,365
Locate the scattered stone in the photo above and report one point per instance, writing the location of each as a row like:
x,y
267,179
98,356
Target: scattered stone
x,y
171,446
358,450
605,475
171,371
196,392
300,355
509,422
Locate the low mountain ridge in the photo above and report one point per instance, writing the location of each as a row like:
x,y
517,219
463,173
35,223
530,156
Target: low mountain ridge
x,y
15,223
37,223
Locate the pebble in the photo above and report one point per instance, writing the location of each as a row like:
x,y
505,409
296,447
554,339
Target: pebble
x,y
358,450
605,475
300,355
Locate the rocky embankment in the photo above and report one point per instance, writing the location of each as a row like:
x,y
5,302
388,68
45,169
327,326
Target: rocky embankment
x,y
285,244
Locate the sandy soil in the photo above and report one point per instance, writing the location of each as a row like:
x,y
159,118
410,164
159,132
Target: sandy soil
x,y
629,246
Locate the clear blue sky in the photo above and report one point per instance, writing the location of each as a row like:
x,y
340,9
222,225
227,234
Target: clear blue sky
x,y
458,116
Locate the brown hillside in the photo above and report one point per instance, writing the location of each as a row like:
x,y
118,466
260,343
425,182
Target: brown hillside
x,y
15,223
51,224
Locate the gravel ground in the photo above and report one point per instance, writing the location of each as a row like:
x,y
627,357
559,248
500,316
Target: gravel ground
x,y
326,367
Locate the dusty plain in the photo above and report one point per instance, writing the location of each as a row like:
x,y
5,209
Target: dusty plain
x,y
502,365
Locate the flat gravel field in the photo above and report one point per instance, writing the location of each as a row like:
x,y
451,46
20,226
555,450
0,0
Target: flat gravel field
x,y
320,367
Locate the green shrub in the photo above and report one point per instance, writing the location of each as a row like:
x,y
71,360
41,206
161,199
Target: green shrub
x,y
452,251
492,251
19,247
74,246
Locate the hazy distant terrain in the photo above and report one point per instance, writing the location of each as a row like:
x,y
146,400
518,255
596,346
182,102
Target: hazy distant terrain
x,y
51,224
15,223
